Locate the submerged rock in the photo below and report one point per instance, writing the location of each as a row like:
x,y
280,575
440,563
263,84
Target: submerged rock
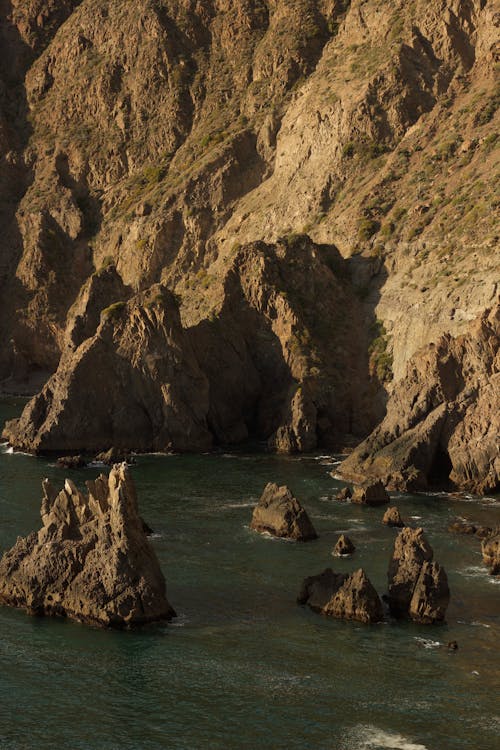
x,y
279,513
114,456
370,493
490,548
344,546
392,517
71,462
418,587
472,529
342,596
90,561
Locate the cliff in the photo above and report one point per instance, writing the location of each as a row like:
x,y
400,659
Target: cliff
x,y
166,138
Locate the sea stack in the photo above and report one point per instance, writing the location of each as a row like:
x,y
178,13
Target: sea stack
x,y
90,561
280,514
343,547
418,586
392,517
342,596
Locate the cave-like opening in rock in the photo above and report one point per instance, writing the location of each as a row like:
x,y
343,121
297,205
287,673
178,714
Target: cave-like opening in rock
x,y
439,473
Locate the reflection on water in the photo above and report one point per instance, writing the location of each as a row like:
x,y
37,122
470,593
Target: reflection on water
x,y
243,666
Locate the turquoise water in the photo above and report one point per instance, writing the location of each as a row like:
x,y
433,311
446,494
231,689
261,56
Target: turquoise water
x,y
244,666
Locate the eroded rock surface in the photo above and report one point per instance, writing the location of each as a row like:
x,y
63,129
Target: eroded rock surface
x,y
90,561
342,596
280,514
392,517
370,493
418,586
490,548
132,376
344,546
443,417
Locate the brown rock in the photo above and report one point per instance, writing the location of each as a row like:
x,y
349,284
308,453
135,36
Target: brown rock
x,y
443,420
466,527
490,548
114,456
431,595
392,517
344,494
370,493
280,514
344,597
357,600
344,546
90,561
317,590
418,587
71,462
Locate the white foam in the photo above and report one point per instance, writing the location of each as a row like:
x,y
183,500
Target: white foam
x,y
428,643
373,738
475,571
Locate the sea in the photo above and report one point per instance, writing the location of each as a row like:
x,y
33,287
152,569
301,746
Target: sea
x,y
243,666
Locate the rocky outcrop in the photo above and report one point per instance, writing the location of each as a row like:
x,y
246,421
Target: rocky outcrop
x,y
280,514
90,561
430,595
344,546
71,462
443,421
418,587
342,596
472,529
490,548
114,456
132,376
135,383
392,517
370,493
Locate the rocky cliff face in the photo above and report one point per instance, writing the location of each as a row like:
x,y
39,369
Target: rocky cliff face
x,y
164,136
442,423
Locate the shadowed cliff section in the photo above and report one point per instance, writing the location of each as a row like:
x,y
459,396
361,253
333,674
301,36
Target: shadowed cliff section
x,y
283,358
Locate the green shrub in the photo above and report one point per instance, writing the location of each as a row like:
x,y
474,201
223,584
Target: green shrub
x,y
114,310
367,227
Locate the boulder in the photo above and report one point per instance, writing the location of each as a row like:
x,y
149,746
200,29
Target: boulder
x,y
370,493
472,529
344,495
418,587
490,548
392,517
90,561
342,596
279,513
71,462
344,546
